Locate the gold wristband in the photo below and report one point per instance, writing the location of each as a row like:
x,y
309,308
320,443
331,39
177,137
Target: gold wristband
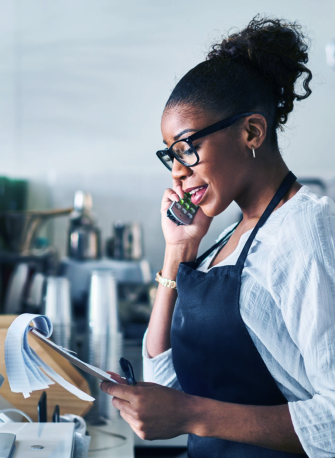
x,y
165,281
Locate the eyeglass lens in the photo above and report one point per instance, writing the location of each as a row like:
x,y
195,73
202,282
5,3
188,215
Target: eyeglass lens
x,y
166,159
184,152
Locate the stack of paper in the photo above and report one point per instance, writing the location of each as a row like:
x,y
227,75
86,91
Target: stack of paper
x,y
26,371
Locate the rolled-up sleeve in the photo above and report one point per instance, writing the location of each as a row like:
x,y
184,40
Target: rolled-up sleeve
x,y
304,288
160,368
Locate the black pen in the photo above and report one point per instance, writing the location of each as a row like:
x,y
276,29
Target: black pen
x,y
42,408
55,415
128,371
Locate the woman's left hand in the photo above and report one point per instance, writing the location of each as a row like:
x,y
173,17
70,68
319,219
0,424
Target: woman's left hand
x,y
153,411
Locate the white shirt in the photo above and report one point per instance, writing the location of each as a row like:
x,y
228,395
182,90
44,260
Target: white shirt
x,y
287,303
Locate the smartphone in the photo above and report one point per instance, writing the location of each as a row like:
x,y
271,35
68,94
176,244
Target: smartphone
x,y
182,212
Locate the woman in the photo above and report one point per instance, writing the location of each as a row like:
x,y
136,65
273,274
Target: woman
x,y
243,358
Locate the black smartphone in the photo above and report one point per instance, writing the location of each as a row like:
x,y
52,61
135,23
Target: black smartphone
x,y
182,212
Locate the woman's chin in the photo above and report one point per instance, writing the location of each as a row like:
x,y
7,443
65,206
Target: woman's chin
x,y
211,210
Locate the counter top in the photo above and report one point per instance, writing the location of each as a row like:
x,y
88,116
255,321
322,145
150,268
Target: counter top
x,y
113,440
107,443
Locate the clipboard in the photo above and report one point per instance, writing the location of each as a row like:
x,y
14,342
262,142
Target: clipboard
x,y
92,370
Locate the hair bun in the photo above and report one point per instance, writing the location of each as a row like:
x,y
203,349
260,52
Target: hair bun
x,y
278,51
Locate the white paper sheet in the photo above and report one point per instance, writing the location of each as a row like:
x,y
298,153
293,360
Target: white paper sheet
x,y
24,366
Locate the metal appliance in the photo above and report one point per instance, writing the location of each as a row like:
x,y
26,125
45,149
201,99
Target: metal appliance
x,y
126,242
84,237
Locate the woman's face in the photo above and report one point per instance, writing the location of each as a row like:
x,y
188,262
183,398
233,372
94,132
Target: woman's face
x,y
224,156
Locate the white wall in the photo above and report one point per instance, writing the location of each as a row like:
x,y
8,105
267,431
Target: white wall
x,y
83,84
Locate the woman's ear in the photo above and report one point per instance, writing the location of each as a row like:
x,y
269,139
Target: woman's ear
x,y
255,128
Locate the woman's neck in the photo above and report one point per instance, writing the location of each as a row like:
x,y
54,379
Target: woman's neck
x,y
262,187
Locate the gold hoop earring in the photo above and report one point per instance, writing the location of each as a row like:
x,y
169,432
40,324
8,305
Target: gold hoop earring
x,y
253,152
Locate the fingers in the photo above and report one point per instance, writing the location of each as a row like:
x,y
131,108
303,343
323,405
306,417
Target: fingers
x,y
129,419
123,406
121,391
134,424
169,196
177,186
117,377
172,195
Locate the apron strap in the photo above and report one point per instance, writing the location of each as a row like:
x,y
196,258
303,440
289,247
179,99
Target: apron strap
x,y
217,244
282,190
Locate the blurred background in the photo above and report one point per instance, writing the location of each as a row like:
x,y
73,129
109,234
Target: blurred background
x,y
83,84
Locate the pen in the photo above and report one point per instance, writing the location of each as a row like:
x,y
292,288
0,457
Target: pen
x,y
42,408
128,371
55,415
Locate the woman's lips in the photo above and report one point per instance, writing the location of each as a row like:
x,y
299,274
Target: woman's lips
x,y
197,196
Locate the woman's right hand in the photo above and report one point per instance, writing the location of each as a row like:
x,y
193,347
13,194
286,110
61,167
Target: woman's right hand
x,y
182,244
182,235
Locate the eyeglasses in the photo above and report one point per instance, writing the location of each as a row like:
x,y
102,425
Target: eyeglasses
x,y
185,152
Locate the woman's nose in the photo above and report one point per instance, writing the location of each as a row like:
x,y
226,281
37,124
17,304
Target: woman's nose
x,y
180,171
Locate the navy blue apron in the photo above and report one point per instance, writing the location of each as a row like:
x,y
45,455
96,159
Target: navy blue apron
x,y
213,353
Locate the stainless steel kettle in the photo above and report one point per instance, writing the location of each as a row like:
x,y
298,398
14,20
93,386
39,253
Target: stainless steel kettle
x,y
84,237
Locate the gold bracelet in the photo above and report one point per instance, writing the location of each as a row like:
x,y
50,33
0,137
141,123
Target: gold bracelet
x,y
165,281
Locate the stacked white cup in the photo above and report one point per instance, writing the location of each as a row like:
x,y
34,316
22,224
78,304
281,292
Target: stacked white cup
x,y
105,339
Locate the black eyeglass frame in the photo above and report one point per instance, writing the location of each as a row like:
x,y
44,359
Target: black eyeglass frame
x,y
223,124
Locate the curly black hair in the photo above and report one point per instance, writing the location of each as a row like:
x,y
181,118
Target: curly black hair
x,y
254,69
